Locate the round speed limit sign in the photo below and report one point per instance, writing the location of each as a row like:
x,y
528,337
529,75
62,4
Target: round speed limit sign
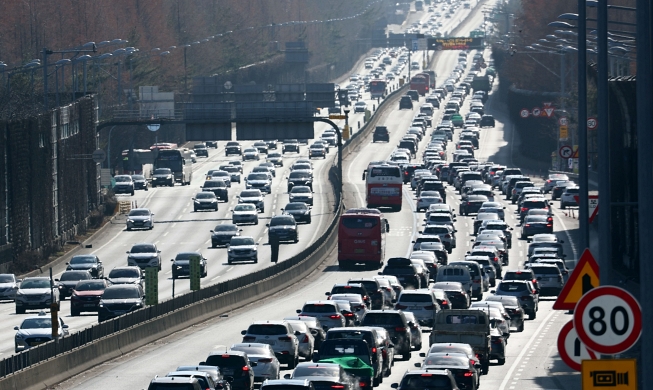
x,y
608,320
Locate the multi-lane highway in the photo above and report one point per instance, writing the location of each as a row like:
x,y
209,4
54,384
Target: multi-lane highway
x,y
531,361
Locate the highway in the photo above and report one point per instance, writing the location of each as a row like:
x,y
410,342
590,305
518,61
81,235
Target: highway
x,y
531,355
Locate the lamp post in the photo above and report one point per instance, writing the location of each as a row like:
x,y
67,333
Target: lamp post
x,y
45,53
60,64
109,148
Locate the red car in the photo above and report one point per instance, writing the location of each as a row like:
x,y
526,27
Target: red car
x,y
86,296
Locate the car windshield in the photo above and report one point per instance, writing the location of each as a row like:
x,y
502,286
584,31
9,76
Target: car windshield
x,y
162,171
91,285
299,175
535,205
143,249
36,323
456,361
121,292
250,194
267,329
512,287
238,241
295,207
123,179
250,150
257,176
245,207
225,228
7,278
251,349
415,298
214,184
300,190
35,283
220,174
74,275
315,370
139,213
318,308
274,155
387,319
123,273
82,260
536,218
138,177
282,221
205,195
187,255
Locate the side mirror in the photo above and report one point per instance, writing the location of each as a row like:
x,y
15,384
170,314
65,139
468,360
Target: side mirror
x,y
287,376
422,354
380,273
418,365
172,259
65,326
562,241
267,224
328,294
67,263
253,364
298,311
297,333
394,385
193,198
243,332
16,328
56,280
493,291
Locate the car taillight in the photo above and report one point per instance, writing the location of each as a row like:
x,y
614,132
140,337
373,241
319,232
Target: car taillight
x,y
524,209
373,349
550,219
285,338
400,307
445,302
469,203
366,298
249,338
468,374
534,281
349,314
362,384
534,291
496,259
527,225
337,386
265,361
549,224
400,329
498,340
335,316
245,368
447,236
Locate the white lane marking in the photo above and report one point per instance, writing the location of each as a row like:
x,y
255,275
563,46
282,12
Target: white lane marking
x,y
229,269
504,383
571,242
216,278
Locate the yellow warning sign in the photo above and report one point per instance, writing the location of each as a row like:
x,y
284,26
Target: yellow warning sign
x,y
337,116
582,279
564,132
617,374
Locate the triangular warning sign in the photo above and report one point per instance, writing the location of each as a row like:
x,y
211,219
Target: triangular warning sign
x,y
582,279
549,111
575,154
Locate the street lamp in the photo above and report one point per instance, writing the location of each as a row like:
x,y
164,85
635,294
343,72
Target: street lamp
x,y
60,64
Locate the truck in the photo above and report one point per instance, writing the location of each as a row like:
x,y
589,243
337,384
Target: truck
x,y
335,350
464,326
482,83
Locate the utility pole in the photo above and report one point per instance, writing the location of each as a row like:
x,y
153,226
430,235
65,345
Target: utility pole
x,y
644,178
583,193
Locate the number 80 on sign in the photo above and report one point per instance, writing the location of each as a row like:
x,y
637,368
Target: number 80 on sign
x,y
608,320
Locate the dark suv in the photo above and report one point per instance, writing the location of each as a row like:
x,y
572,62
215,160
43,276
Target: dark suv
x,y
299,178
404,270
218,187
234,365
414,95
282,228
351,289
524,291
381,134
374,290
406,102
232,147
201,150
68,280
396,324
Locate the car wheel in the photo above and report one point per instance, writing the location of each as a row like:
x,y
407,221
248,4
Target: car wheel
x,y
562,205
521,327
376,381
533,315
20,310
229,261
129,229
309,220
195,209
406,355
256,221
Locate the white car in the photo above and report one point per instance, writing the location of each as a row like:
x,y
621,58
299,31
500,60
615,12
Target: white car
x,y
360,106
37,330
260,181
427,198
8,286
140,219
306,339
446,233
244,213
242,248
285,345
250,154
568,197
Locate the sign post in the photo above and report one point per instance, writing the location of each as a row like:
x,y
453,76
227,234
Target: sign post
x,y
151,286
608,320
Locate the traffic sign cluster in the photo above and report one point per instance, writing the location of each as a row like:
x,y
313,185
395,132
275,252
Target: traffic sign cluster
x,y
545,112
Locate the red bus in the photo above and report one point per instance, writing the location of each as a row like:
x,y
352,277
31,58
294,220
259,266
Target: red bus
x,y
420,83
383,186
361,238
377,88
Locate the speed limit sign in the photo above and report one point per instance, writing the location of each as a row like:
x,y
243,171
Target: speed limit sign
x,y
592,123
608,320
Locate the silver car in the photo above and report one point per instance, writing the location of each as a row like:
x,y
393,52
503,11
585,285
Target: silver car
x,y
548,277
327,312
422,303
140,219
254,197
8,286
267,365
278,335
37,330
242,248
35,293
244,213
305,338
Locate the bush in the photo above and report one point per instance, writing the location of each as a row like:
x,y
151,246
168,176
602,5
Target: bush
x,y
110,202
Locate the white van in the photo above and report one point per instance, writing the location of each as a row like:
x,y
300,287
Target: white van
x,y
456,273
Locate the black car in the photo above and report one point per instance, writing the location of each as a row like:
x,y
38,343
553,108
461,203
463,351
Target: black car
x,y
212,144
472,204
396,324
374,291
201,150
299,178
282,228
487,121
218,187
163,177
261,146
299,210
140,182
234,364
458,297
381,134
68,280
272,144
221,234
290,145
120,299
414,94
402,268
90,263
406,102
232,147
181,264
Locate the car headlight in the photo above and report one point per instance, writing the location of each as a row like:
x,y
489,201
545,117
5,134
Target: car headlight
x,y
19,336
229,250
146,220
197,202
130,220
139,304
